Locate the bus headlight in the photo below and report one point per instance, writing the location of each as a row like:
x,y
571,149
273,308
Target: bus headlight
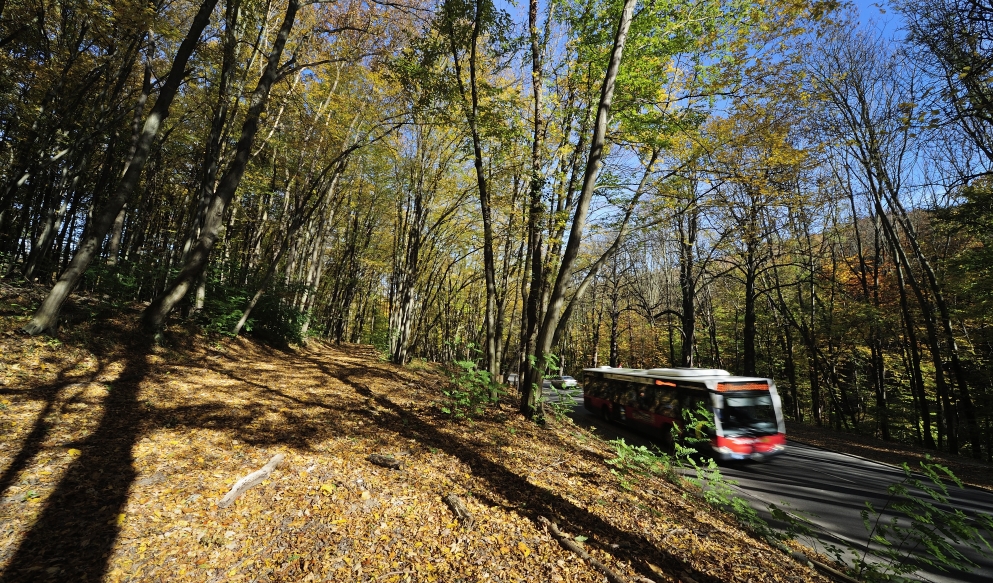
x,y
723,450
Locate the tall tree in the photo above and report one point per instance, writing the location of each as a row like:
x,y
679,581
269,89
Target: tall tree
x,y
155,314
46,317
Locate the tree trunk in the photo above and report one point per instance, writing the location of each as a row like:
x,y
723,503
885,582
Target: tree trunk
x,y
543,343
155,314
687,281
47,315
913,347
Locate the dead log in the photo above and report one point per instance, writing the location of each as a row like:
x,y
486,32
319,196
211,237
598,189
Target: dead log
x,y
567,542
387,461
459,509
250,480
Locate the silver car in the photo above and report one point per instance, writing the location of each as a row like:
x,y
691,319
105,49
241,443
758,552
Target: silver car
x,y
562,382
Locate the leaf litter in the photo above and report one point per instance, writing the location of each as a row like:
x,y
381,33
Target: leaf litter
x,y
208,415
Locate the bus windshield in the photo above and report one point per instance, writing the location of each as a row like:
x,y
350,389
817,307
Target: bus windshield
x,y
748,415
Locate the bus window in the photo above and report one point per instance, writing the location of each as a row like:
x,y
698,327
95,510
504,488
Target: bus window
x,y
627,395
666,402
646,397
748,415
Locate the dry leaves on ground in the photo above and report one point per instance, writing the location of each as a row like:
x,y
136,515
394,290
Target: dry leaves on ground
x,y
113,464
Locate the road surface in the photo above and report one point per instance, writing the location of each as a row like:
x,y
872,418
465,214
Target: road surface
x,y
828,488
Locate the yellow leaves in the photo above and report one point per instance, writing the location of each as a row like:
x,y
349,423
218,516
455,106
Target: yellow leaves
x,y
523,548
402,530
118,520
73,453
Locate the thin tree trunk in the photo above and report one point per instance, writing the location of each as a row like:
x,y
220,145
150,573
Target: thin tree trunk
x,y
47,315
155,314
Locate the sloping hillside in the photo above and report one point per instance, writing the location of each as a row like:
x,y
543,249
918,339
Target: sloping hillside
x,y
114,458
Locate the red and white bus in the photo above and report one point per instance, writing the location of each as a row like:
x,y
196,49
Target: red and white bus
x,y
741,416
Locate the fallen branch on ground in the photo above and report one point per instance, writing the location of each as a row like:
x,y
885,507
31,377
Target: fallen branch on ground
x,y
250,480
813,563
387,461
567,542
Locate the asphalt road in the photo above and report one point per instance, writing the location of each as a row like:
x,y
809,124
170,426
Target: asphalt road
x,y
827,488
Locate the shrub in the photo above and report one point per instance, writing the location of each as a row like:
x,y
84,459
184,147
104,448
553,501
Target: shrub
x,y
469,392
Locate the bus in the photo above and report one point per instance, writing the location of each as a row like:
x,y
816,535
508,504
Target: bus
x,y
738,418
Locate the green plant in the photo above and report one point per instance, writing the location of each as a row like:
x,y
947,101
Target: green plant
x,y
920,529
276,317
635,461
469,392
563,403
698,424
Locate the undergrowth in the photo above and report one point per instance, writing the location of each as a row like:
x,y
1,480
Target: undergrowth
x,y
923,528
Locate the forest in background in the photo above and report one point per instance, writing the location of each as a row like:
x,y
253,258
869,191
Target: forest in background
x,y
766,186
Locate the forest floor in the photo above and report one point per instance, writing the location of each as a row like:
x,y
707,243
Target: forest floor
x,y
114,455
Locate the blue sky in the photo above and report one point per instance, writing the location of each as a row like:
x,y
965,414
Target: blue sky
x,y
880,15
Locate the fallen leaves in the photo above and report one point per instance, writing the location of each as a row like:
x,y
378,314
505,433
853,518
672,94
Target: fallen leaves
x,y
215,415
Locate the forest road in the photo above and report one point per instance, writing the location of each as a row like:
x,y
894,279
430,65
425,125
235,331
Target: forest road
x,y
828,488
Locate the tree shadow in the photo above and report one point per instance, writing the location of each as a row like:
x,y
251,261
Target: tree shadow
x,y
531,501
33,441
79,524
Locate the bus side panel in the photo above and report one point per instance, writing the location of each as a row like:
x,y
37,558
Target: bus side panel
x,y
596,392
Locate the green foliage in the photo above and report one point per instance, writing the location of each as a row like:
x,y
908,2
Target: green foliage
x,y
698,422
276,320
470,391
920,529
705,478
379,335
637,461
223,308
115,281
563,403
564,397
273,319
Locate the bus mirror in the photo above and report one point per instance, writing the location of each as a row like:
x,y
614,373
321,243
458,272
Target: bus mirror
x,y
718,400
